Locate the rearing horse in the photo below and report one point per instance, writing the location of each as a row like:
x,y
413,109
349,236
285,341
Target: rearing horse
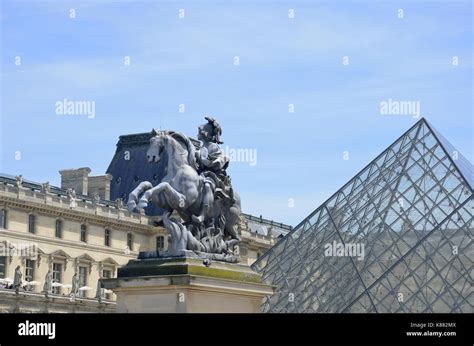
x,y
182,188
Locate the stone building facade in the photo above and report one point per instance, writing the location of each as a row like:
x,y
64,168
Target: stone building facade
x,y
43,228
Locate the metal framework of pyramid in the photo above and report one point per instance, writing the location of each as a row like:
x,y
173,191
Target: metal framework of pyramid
x,y
412,211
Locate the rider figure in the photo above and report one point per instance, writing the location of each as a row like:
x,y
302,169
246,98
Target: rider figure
x,y
213,163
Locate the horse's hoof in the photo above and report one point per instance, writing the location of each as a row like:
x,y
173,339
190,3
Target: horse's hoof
x,y
197,219
142,205
131,206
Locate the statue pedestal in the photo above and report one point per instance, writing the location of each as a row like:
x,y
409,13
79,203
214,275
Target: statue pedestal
x,y
184,284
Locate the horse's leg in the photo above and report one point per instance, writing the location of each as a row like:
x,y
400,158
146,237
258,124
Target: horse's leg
x,y
175,200
133,196
178,235
231,226
231,243
193,243
206,204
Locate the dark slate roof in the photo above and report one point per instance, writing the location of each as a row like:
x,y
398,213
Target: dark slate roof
x,y
261,226
129,167
127,174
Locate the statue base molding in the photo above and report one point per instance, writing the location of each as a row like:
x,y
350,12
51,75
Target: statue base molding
x,y
189,254
187,285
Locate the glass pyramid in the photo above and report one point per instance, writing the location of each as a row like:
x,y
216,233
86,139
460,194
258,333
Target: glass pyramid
x,y
401,234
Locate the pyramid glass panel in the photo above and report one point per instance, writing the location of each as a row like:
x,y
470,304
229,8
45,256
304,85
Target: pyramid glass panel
x,y
396,238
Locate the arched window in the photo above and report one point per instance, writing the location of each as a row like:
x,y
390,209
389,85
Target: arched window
x,y
107,237
3,218
83,233
31,223
59,229
130,241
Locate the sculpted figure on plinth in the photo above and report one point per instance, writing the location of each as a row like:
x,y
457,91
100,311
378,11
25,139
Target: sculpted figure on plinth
x,y
17,279
48,283
197,189
75,286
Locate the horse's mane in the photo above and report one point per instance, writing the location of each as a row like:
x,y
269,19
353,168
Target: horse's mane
x,y
187,144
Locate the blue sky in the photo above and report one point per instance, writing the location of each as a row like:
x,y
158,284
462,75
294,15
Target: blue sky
x,y
190,61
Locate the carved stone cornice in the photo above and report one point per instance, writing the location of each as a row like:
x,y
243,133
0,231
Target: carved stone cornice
x,y
76,215
64,242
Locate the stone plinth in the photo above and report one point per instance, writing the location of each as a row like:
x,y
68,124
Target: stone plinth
x,y
187,285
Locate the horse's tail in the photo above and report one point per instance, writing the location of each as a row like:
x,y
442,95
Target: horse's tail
x,y
175,227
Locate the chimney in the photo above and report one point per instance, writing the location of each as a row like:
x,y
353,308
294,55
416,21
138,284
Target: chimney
x,y
100,184
76,179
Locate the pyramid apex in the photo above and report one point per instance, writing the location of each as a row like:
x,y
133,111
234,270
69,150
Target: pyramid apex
x,y
404,201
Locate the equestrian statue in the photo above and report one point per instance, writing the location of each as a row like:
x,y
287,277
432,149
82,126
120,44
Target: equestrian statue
x,y
197,191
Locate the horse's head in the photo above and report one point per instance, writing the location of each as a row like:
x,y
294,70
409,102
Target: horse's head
x,y
176,145
156,148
